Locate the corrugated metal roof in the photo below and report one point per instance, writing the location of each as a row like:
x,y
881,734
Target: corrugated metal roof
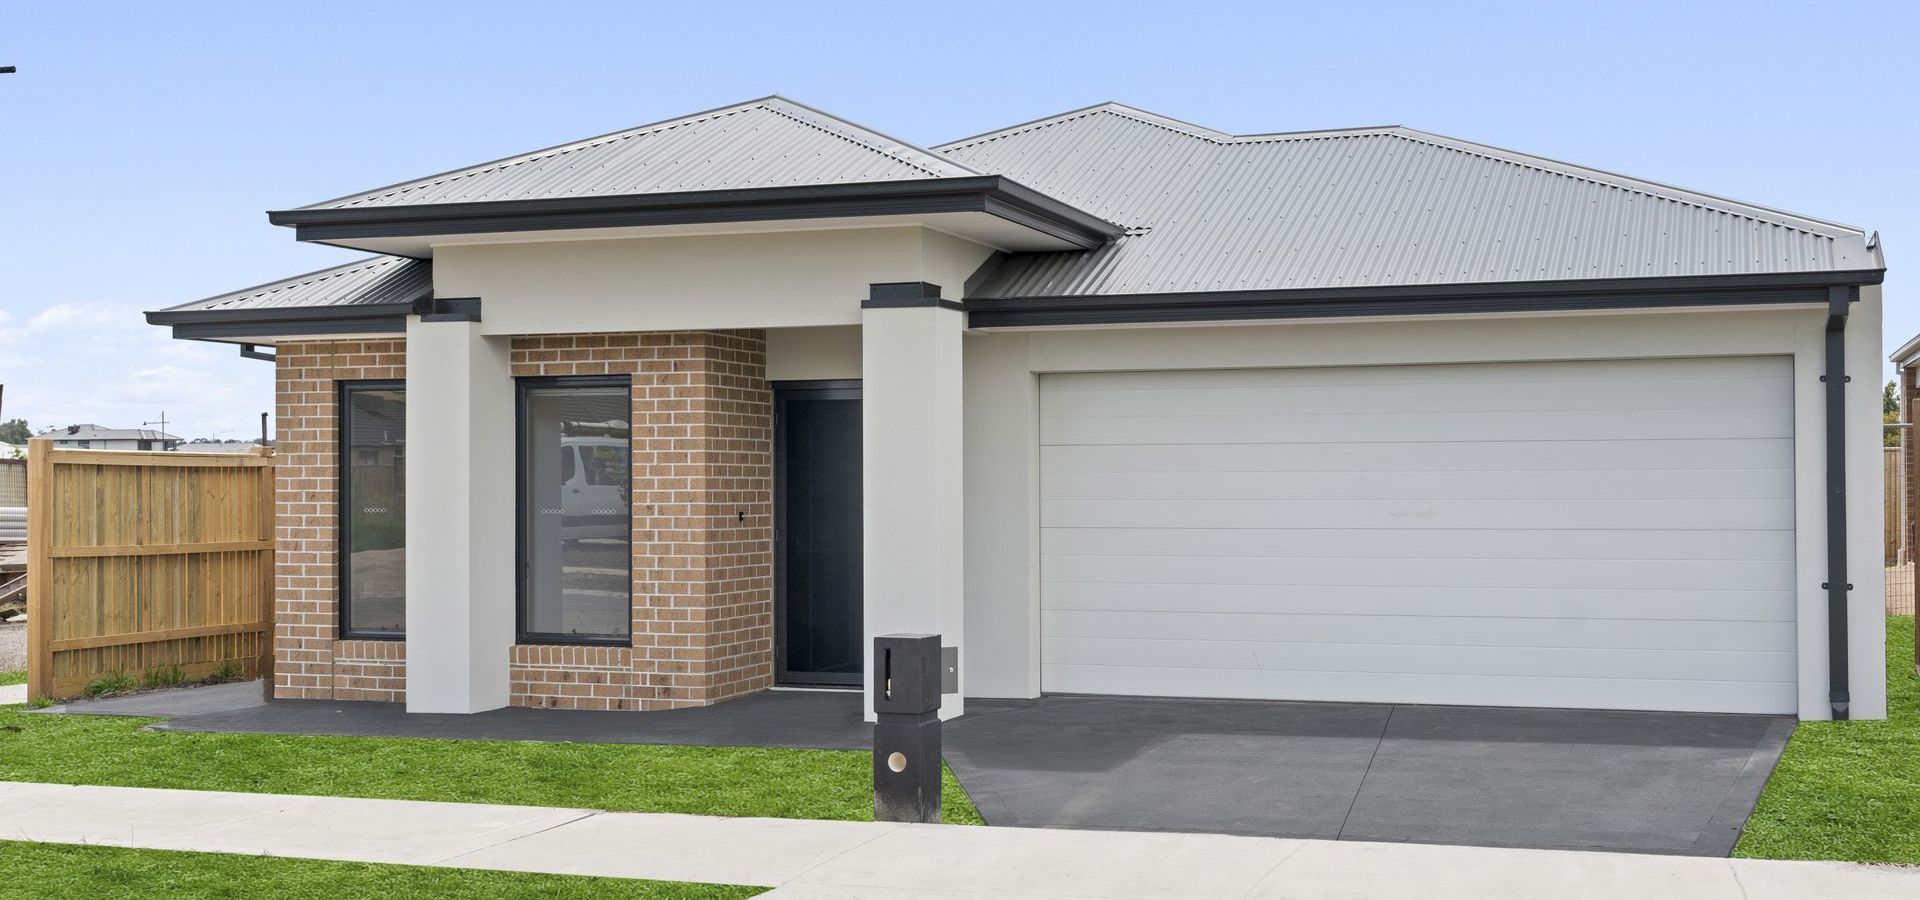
x,y
378,279
91,432
1206,211
771,142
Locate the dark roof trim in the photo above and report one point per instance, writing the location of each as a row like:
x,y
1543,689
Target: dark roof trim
x,y
991,194
1409,300
279,315
283,321
906,295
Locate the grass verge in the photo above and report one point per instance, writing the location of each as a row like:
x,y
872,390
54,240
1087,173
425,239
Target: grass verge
x,y
68,871
721,781
1849,790
7,678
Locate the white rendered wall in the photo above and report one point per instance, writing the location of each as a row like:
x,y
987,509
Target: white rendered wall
x,y
774,280
1001,478
460,518
813,354
912,542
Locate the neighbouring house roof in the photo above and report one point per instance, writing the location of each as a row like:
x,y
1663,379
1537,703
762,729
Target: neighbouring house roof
x,y
1267,224
1908,354
97,433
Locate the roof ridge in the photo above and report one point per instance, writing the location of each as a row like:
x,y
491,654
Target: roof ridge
x,y
543,152
776,104
1630,183
1110,107
806,115
1616,180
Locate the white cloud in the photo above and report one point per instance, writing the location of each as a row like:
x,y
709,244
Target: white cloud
x,y
103,363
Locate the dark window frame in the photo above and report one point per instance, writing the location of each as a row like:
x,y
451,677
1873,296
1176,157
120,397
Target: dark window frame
x,y
521,556
343,466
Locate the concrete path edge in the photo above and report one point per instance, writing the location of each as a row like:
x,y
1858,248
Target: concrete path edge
x,y
820,859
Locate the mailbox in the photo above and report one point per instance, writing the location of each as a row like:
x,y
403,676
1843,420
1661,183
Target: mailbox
x,y
907,677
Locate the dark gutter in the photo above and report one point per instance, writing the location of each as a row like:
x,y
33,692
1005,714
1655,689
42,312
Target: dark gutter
x,y
279,314
283,321
1414,299
1839,299
992,194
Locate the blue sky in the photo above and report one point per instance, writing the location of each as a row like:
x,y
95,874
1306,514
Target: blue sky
x,y
140,143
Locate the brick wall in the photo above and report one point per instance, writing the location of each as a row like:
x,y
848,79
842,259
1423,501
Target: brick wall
x,y
703,523
310,662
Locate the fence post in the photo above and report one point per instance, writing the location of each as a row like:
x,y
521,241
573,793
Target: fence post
x,y
269,509
39,568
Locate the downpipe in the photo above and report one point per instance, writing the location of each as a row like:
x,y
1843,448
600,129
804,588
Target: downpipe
x,y
1839,302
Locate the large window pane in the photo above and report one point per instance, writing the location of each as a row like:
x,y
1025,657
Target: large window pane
x,y
373,515
576,510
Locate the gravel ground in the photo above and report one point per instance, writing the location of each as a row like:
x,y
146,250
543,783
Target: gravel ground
x,y
13,646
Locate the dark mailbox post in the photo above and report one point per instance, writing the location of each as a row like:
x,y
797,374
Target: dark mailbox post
x,y
906,733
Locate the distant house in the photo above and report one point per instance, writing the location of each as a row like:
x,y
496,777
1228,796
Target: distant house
x,y
94,437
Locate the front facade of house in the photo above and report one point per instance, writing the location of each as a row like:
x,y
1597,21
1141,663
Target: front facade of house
x,y
1113,403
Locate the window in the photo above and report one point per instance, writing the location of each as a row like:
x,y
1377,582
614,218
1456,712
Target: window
x,y
576,511
373,509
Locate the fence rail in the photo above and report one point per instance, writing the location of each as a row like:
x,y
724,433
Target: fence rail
x,y
140,561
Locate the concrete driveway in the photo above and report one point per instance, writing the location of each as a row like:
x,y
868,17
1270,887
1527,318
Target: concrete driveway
x,y
1679,783
1553,779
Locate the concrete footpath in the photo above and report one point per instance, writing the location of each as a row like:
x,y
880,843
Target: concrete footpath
x,y
817,860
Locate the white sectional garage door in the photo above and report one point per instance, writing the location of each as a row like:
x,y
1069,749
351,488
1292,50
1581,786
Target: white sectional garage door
x,y
1612,534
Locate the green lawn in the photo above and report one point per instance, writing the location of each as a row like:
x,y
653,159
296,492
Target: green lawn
x,y
1849,790
44,871
7,678
730,781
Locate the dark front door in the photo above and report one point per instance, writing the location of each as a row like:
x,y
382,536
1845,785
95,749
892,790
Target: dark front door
x,y
817,576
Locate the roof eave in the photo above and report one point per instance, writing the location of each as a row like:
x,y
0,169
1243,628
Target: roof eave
x,y
1785,288
232,325
992,194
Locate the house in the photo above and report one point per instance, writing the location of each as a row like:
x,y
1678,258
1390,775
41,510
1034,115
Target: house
x,y
94,437
1115,403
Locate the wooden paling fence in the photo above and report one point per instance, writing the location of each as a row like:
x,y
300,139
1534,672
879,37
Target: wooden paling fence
x,y
139,562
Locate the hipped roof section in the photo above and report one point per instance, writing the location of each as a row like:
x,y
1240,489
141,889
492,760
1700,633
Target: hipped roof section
x,y
1168,208
1207,211
764,143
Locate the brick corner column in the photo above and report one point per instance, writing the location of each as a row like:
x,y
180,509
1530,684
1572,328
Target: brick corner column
x,y
703,519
